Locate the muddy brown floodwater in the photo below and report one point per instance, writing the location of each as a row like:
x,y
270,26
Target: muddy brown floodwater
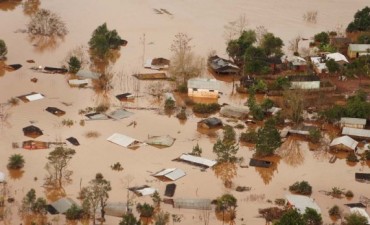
x,y
132,20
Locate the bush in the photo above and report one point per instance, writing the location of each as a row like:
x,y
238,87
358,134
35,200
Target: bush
x,y
67,122
117,166
197,150
206,108
45,22
16,161
182,88
239,126
302,187
103,39
250,136
336,192
3,49
74,213
92,134
352,157
349,194
74,64
169,104
101,108
334,211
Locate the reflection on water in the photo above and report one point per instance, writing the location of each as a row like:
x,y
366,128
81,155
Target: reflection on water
x,y
45,43
2,68
227,217
268,173
54,194
16,174
291,152
31,6
226,172
34,219
9,5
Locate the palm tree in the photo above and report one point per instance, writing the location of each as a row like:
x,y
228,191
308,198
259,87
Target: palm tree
x,y
16,161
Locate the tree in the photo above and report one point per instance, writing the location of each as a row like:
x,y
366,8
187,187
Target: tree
x,y
291,217
162,218
103,40
322,38
74,212
101,187
361,21
58,162
16,161
33,205
236,48
3,49
295,103
333,67
272,45
335,211
312,217
314,135
145,210
227,203
364,39
46,23
229,134
129,219
74,64
225,151
302,187
156,198
255,60
184,64
268,139
197,150
169,104
355,219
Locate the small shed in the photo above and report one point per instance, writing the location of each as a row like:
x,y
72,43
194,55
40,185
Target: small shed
x,y
60,206
222,66
196,160
352,122
55,111
203,88
304,82
357,50
170,174
301,203
170,190
356,132
209,123
123,140
344,143
192,203
238,112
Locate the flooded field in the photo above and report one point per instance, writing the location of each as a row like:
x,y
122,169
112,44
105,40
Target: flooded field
x,y
150,34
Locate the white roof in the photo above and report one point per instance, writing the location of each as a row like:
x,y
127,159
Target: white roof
x,y
301,202
337,57
316,61
346,141
362,212
171,173
121,139
356,132
78,82
2,177
353,120
204,83
120,114
34,97
146,191
359,47
198,160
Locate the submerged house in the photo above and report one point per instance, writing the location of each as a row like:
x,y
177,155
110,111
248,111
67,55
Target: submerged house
x,y
60,206
209,123
222,66
170,174
196,160
352,122
357,50
203,204
203,88
238,112
304,82
344,143
298,64
123,140
301,203
362,134
55,111
160,141
157,63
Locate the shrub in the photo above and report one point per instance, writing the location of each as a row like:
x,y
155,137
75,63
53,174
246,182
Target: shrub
x,y
117,166
101,108
169,104
302,187
189,102
82,123
349,194
67,122
45,22
322,37
74,64
103,39
336,192
206,108
74,212
352,157
367,154
229,134
16,161
13,101
334,211
249,136
239,126
182,88
314,135
182,115
92,134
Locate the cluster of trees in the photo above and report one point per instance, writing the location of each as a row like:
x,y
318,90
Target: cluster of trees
x,y
292,217
361,21
302,187
252,57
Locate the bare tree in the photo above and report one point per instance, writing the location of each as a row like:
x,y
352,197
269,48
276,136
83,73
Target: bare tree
x,y
310,16
261,31
294,104
184,64
46,23
294,44
235,28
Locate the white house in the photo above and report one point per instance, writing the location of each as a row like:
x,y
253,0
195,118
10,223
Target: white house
x,y
304,82
203,88
352,122
344,143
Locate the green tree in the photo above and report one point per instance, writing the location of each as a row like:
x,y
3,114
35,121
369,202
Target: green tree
x,y
255,60
146,211
302,187
58,162
333,67
3,49
225,151
334,211
312,217
103,39
314,135
74,64
268,139
162,218
197,150
227,203
229,134
74,212
169,104
33,205
272,45
355,219
129,219
16,161
156,198
236,48
322,37
361,21
291,217
267,104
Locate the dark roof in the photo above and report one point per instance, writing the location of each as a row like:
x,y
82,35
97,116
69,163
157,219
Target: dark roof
x,y
123,96
55,70
73,141
304,78
260,163
274,60
160,61
32,131
362,176
14,66
170,190
55,111
221,65
356,205
211,122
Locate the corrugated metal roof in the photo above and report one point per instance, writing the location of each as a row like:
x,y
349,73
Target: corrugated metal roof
x,y
198,160
62,205
359,47
120,114
349,120
356,132
34,97
171,173
346,141
239,112
337,57
88,74
121,139
301,202
204,83
146,191
164,140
